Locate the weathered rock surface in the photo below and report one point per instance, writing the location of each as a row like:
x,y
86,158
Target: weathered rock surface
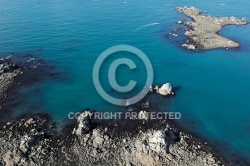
x,y
33,140
203,32
26,142
8,73
143,115
166,89
83,123
166,146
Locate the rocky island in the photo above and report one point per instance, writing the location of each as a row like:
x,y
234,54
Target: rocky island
x,y
203,30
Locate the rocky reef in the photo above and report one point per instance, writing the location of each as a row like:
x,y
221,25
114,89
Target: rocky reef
x,y
35,140
143,140
22,69
162,145
203,30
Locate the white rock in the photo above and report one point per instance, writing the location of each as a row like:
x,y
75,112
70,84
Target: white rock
x,y
244,19
150,88
143,115
157,141
26,143
157,88
180,22
83,126
166,89
191,47
98,141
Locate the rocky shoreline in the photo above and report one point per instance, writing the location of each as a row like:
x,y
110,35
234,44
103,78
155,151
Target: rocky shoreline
x,y
36,140
203,30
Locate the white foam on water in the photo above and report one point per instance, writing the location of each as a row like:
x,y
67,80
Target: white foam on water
x,y
145,26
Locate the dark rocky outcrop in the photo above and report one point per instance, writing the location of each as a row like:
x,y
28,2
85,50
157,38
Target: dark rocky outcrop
x,y
34,140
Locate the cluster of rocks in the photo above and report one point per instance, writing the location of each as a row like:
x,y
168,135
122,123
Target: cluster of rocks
x,y
33,140
165,145
9,71
203,30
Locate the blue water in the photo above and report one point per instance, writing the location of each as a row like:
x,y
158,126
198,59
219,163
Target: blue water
x,y
214,85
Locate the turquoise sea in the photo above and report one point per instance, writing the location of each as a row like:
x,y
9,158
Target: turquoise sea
x,y
214,93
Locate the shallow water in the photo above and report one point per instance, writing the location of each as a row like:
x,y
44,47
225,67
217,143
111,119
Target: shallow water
x,y
214,85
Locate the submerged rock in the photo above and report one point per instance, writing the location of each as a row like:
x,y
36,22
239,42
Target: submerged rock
x,y
21,69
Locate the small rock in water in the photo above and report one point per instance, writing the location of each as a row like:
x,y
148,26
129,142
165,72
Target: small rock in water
x,y
180,22
166,89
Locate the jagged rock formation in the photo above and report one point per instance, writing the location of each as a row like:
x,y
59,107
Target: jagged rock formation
x,y
164,90
26,141
165,146
33,140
